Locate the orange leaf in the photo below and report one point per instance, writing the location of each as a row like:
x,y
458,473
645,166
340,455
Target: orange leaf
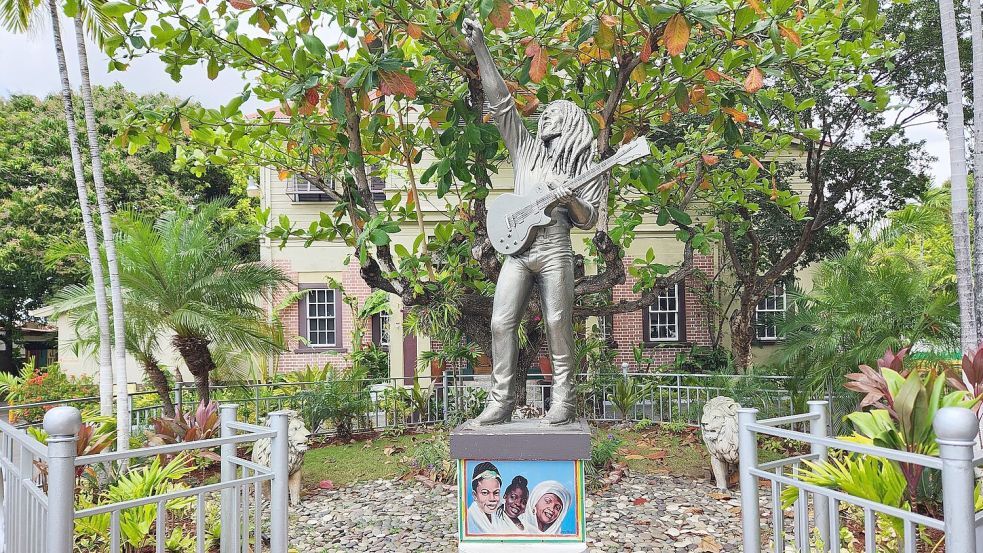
x,y
639,501
242,4
501,14
411,197
185,127
291,145
666,117
392,83
741,42
712,75
754,80
738,115
791,35
676,35
704,184
537,70
532,48
755,161
710,159
283,174
646,52
667,186
756,6
774,188
414,31
312,95
600,120
529,105
738,153
609,20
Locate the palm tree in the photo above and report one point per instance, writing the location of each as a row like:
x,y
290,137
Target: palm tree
x,y
18,16
186,270
105,215
957,162
872,298
976,30
142,335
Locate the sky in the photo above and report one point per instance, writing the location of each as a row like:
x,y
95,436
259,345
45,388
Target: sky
x,y
27,65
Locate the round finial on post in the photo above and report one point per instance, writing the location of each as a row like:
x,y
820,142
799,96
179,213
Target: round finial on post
x,y
956,424
62,421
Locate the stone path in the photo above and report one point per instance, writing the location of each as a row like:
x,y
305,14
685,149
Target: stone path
x,y
642,513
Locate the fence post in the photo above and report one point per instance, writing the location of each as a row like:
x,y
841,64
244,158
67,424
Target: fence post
x,y
444,377
280,465
227,414
818,427
256,399
62,425
750,509
956,429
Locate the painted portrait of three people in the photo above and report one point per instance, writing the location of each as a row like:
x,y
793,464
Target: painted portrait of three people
x,y
507,503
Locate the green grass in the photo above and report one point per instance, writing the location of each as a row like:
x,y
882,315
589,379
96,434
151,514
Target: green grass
x,y
362,460
656,450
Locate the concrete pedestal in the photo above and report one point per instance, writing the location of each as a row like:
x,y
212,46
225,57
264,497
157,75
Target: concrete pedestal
x,y
550,458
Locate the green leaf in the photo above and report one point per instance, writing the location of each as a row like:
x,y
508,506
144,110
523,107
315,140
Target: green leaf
x,y
679,216
313,45
116,9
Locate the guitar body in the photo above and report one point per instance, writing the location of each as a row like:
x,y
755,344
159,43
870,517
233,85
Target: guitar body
x,y
513,219
509,230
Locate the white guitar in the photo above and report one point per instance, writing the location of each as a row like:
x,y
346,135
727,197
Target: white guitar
x,y
513,219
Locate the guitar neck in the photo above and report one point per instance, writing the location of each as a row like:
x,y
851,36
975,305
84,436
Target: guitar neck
x,y
580,180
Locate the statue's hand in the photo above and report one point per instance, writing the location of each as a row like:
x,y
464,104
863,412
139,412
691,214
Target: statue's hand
x,y
565,195
473,33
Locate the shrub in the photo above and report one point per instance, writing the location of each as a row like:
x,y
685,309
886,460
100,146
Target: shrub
x,y
464,404
603,453
202,425
46,384
343,402
373,361
432,458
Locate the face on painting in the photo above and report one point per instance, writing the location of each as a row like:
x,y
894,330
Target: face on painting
x,y
548,508
487,494
515,502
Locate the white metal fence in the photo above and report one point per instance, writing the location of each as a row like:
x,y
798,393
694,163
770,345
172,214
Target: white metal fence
x,y
817,513
39,488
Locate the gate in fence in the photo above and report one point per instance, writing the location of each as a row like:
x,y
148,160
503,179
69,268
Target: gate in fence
x,y
817,513
39,503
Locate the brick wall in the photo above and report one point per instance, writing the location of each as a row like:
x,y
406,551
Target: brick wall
x,y
627,328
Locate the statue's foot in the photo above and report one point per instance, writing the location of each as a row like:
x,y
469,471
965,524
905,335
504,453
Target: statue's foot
x,y
494,413
561,413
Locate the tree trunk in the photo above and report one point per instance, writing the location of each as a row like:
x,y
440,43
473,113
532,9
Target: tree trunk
x,y
7,355
957,163
91,241
109,243
157,377
741,335
976,19
198,358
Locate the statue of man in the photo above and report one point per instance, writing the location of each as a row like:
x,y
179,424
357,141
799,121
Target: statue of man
x,y
563,149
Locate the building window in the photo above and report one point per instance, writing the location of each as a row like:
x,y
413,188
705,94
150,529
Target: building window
x,y
302,190
380,330
770,311
322,321
662,321
605,327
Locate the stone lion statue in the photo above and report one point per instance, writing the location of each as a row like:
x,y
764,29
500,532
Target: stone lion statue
x,y
299,438
719,426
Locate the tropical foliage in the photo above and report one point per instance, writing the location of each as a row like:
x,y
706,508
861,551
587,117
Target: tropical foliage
x,y
184,273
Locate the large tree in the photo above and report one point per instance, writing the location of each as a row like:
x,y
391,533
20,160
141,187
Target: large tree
x,y
36,176
634,67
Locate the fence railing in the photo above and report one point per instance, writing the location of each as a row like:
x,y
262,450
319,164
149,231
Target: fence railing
x,y
817,512
663,397
40,508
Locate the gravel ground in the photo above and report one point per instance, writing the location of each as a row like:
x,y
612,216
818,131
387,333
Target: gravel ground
x,y
640,513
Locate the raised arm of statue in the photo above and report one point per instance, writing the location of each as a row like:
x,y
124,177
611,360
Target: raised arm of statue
x,y
497,94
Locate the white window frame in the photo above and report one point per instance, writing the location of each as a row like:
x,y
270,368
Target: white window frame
x,y
304,191
384,320
771,304
655,313
330,299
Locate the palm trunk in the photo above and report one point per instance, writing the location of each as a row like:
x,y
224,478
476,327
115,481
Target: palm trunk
x,y
91,241
109,243
976,19
957,163
157,377
198,358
